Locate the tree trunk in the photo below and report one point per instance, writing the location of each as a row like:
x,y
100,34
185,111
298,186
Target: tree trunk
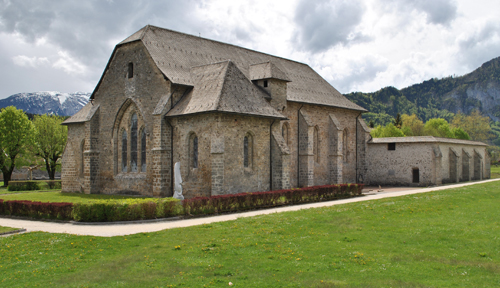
x,y
7,173
6,178
49,169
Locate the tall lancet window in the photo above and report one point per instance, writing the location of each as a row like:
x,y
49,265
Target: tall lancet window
x,y
194,152
245,151
133,143
143,151
316,144
248,150
124,151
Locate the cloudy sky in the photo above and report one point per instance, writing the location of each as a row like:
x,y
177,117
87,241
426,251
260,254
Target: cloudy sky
x,y
356,45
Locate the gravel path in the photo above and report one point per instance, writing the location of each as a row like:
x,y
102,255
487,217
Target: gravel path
x,y
108,230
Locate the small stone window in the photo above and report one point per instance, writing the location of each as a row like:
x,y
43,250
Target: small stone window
x,y
247,150
124,151
143,150
130,70
416,175
391,146
265,83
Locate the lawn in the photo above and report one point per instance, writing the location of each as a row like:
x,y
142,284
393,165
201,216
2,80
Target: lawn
x,y
440,239
58,196
7,229
495,171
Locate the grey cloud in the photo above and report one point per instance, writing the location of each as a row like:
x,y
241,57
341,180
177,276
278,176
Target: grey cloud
x,y
437,11
363,70
324,24
479,46
84,28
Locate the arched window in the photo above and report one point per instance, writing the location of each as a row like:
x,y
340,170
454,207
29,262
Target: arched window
x,y
193,151
124,151
247,150
82,164
133,143
143,150
344,145
285,132
316,144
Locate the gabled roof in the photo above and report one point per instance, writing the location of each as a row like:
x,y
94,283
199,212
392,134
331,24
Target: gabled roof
x,y
222,87
424,139
84,115
176,53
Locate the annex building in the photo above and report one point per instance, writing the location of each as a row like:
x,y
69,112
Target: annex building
x,y
237,120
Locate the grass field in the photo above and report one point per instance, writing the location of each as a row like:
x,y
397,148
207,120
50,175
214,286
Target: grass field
x,y
440,239
59,197
7,229
495,171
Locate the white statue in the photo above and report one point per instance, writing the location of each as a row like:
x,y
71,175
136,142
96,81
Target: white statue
x,y
178,182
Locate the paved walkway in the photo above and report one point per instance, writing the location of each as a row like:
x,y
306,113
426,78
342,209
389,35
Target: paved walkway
x,y
108,230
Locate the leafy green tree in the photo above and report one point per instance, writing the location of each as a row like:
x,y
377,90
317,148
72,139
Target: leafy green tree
x,y
438,127
476,125
388,131
16,134
459,133
50,140
398,122
412,126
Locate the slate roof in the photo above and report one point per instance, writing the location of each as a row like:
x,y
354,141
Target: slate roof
x,y
176,53
222,87
424,139
84,115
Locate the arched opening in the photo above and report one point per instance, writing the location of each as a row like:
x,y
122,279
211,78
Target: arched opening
x,y
344,145
124,151
82,158
193,151
285,130
248,150
316,144
133,143
143,150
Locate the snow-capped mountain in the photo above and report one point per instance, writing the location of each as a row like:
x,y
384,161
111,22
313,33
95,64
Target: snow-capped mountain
x,y
47,102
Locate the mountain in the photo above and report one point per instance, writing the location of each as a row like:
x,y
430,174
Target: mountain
x,y
433,98
48,102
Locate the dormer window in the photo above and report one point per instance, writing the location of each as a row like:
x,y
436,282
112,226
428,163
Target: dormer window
x,y
265,83
130,70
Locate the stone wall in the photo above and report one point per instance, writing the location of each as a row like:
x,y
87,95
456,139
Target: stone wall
x,y
437,163
321,171
221,168
72,159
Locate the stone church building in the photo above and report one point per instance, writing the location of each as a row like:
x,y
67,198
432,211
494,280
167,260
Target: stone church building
x,y
237,120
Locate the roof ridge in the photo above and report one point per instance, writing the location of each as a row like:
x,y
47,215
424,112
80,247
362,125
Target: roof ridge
x,y
224,81
229,44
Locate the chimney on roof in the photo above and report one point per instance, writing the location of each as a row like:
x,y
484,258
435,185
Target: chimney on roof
x,y
273,81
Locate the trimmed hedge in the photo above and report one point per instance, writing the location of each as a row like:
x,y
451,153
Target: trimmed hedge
x,y
141,209
247,201
126,210
33,185
23,185
37,210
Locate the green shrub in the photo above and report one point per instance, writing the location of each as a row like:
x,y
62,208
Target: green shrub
x,y
34,185
23,185
126,210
